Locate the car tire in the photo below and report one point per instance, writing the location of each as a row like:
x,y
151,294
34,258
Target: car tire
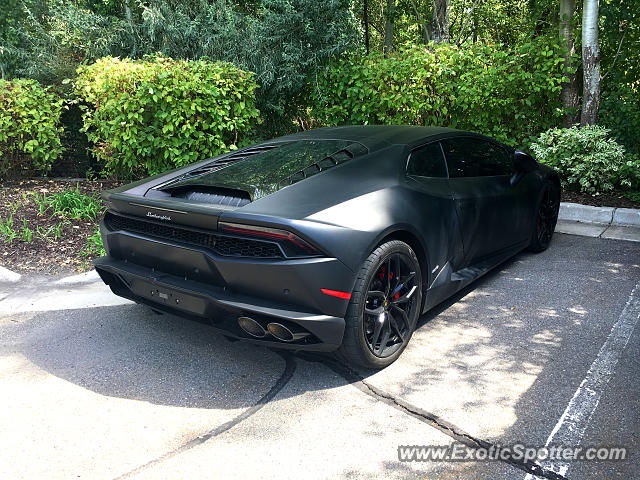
x,y
546,217
359,346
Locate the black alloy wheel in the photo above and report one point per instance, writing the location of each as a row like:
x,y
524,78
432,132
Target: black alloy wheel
x,y
546,217
384,308
388,305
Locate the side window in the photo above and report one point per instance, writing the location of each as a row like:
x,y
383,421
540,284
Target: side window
x,y
427,161
474,157
502,161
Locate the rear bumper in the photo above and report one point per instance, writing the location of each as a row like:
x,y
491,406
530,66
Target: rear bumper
x,y
215,306
198,285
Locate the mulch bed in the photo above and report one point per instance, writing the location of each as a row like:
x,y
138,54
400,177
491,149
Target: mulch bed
x,y
62,256
609,200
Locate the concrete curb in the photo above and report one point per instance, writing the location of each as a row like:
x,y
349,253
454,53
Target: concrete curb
x,y
626,216
602,222
86,277
7,276
575,212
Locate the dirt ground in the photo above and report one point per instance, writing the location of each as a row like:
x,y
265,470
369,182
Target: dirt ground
x,y
609,200
45,255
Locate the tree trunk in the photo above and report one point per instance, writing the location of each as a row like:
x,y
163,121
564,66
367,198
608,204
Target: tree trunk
x,y
569,93
128,16
365,19
426,35
590,63
440,21
388,27
476,5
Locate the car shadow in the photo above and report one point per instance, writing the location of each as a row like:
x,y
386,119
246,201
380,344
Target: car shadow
x,y
130,352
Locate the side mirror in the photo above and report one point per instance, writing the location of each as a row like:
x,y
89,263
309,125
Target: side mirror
x,y
523,162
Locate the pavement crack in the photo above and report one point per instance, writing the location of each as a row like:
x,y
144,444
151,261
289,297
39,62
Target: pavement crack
x,y
435,421
285,377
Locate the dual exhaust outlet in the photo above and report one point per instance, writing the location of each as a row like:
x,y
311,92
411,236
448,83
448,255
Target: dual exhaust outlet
x,y
281,332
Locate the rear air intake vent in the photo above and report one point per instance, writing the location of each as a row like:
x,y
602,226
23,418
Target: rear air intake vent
x,y
213,196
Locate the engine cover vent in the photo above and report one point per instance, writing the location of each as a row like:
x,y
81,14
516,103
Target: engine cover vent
x,y
214,196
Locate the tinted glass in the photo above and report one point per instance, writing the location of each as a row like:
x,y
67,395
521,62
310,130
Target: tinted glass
x,y
473,157
266,171
427,161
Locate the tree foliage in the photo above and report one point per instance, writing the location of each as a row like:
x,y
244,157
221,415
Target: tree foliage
x,y
496,73
285,42
47,40
620,44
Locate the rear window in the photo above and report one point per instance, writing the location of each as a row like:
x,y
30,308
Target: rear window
x,y
275,168
301,158
427,161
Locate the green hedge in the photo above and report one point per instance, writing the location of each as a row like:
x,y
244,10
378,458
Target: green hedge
x,y
29,126
588,159
147,116
508,94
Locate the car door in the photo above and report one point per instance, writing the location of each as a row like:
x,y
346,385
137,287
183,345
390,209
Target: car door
x,y
480,173
436,216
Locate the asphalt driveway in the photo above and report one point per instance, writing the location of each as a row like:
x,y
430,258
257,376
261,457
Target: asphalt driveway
x,y
543,349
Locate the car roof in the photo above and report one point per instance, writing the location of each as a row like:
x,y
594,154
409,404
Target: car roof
x,y
375,137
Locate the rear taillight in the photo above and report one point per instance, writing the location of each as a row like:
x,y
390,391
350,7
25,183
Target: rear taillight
x,y
292,245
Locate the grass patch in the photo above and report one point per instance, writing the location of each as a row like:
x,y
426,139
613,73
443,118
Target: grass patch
x,y
6,229
94,247
70,204
50,226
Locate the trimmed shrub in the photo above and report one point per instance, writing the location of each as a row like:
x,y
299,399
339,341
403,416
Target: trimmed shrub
x,y
29,126
587,159
510,95
147,116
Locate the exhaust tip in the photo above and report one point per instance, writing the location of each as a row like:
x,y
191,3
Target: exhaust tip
x,y
252,327
284,333
280,332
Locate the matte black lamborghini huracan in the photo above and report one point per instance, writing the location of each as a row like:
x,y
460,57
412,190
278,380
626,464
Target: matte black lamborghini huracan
x,y
332,239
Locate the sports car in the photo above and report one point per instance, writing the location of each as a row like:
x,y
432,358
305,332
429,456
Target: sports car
x,y
334,239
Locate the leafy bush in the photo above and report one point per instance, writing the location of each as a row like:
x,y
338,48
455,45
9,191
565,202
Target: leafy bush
x,y
587,159
634,196
508,94
146,116
29,126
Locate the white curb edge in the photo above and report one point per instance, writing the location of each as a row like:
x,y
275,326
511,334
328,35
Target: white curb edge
x,y
628,217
